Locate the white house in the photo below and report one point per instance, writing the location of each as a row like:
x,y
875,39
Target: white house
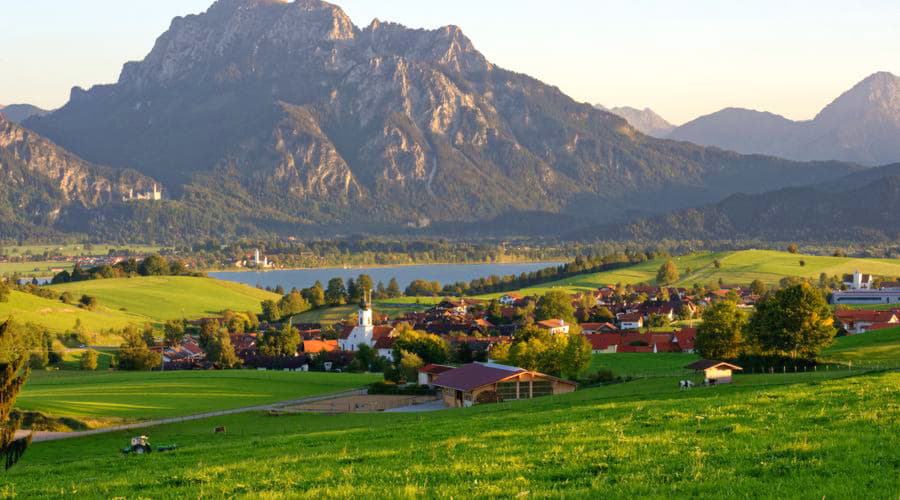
x,y
510,299
631,321
556,326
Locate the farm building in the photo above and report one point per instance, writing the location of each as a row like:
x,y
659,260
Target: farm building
x,y
714,372
478,383
428,373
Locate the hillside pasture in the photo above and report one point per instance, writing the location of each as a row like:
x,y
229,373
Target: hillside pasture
x,y
151,395
881,347
59,317
161,298
765,436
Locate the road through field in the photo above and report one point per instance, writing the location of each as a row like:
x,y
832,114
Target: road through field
x,y
54,436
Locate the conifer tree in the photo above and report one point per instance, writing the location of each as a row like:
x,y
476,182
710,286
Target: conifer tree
x,y
13,374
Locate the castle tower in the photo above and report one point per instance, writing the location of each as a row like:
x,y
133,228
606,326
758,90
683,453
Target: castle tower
x,y
256,257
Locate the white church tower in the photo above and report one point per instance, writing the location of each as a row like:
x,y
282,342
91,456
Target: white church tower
x,y
364,330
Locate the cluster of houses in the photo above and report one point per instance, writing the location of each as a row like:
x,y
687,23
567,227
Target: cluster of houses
x,y
861,289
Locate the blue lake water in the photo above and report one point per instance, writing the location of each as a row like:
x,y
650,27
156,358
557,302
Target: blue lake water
x,y
443,273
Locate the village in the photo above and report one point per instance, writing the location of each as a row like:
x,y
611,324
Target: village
x,y
612,319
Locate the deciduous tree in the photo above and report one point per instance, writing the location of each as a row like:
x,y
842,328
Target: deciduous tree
x,y
13,374
720,336
667,274
555,304
795,321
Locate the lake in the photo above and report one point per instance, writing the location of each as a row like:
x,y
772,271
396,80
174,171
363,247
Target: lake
x,y
443,273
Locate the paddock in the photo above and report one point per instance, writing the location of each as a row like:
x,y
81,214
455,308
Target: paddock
x,y
358,404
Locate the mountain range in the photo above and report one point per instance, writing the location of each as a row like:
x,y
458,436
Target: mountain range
x,y
645,120
862,206
276,117
17,113
860,126
43,187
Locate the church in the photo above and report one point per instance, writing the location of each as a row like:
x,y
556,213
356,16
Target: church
x,y
365,331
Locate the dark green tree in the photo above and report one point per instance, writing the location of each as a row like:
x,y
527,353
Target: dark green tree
x,y
280,342
13,374
220,351
154,265
758,287
134,353
336,293
364,283
720,336
555,304
270,311
667,274
292,304
173,332
795,321
393,289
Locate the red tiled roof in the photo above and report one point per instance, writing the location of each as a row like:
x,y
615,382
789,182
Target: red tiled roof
x,y
385,342
552,323
632,317
602,341
314,346
435,369
866,316
881,326
473,376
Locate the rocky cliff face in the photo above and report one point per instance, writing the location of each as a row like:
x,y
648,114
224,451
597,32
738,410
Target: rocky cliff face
x,y
299,114
41,180
862,125
646,120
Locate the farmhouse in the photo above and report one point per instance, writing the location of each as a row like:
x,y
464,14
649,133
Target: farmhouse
x,y
631,321
859,281
478,383
862,321
714,372
554,326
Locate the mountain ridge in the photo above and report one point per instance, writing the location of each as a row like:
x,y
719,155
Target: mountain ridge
x,y
862,125
284,115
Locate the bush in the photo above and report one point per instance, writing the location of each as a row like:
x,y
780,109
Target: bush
x,y
603,376
392,389
88,361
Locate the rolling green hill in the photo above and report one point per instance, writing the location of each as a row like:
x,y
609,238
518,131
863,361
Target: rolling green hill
x,y
740,267
161,298
880,348
59,317
765,436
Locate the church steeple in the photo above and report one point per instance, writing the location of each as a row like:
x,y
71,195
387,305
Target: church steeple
x,y
365,309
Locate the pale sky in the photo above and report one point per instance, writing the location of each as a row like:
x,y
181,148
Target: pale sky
x,y
682,58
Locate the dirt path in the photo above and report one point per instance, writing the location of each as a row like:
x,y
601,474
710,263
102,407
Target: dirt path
x,y
54,436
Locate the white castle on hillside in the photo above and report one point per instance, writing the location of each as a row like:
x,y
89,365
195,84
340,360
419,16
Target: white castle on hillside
x,y
155,195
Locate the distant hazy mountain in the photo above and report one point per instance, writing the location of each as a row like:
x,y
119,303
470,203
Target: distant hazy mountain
x,y
267,115
862,126
862,206
646,120
17,113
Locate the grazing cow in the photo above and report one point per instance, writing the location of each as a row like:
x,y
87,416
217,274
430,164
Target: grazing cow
x,y
685,384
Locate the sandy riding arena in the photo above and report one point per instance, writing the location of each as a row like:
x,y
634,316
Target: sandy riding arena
x,y
358,404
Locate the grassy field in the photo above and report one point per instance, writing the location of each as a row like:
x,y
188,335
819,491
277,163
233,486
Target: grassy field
x,y
40,269
160,298
146,395
809,435
60,317
740,267
75,250
879,347
641,364
334,314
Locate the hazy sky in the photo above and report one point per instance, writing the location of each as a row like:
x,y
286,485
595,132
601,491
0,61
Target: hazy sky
x,y
681,58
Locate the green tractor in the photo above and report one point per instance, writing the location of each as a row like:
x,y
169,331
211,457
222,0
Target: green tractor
x,y
141,445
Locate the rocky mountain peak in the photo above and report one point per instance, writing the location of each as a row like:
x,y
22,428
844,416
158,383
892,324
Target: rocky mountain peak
x,y
878,95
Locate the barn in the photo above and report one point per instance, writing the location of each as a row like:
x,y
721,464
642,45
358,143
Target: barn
x,y
478,383
714,372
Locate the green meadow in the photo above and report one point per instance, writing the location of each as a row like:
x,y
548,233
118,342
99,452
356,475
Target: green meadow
x,y
160,298
881,348
640,364
741,267
151,395
822,435
59,317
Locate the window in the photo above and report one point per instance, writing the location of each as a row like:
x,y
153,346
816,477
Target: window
x,y
507,391
542,388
